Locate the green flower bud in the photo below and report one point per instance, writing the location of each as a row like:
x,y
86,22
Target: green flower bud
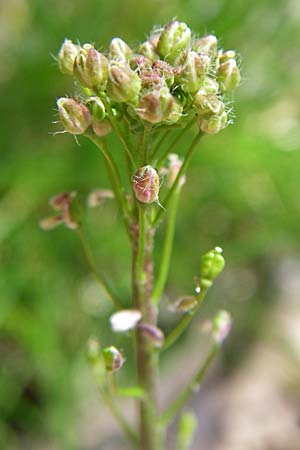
x,y
175,114
221,326
113,359
175,38
148,50
193,71
208,104
210,86
96,108
119,50
207,44
213,124
91,68
223,57
74,116
212,264
146,184
123,84
66,57
228,75
156,106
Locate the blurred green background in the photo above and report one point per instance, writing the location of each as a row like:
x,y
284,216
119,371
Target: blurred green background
x,y
242,194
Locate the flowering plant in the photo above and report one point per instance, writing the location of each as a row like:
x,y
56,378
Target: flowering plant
x,y
171,82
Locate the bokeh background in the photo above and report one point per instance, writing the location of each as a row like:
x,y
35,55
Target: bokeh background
x,y
242,193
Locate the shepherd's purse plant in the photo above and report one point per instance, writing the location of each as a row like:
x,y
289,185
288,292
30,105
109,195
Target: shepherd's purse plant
x,y
149,96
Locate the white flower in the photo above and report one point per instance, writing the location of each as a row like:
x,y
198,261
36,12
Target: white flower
x,y
125,320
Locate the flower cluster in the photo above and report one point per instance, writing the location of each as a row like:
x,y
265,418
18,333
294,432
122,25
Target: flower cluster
x,y
166,80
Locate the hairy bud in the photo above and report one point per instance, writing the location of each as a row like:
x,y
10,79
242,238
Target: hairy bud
x,y
113,359
156,106
193,71
165,71
66,57
148,50
91,68
207,44
124,84
119,50
146,184
213,124
139,63
228,75
175,38
74,116
212,264
221,326
208,104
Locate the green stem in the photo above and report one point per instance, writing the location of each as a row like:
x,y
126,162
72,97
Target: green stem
x,y
180,401
159,143
99,277
146,142
181,172
170,147
184,322
167,250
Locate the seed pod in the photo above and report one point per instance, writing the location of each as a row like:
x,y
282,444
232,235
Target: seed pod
x,y
207,44
119,50
113,359
175,38
213,124
193,71
228,75
74,116
212,264
66,57
221,326
91,68
123,84
146,184
156,105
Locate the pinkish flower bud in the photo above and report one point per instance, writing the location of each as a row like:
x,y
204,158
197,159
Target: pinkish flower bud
x,y
62,204
175,38
125,320
139,63
97,197
193,71
119,50
51,222
207,44
66,57
146,184
228,75
113,359
62,201
213,124
156,105
151,80
221,326
91,68
174,166
185,304
152,334
165,71
124,84
74,116
101,127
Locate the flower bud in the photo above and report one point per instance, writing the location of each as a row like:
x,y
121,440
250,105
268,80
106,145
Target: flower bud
x,y
175,38
96,107
74,116
51,222
146,184
151,80
207,44
113,359
119,50
124,84
212,264
91,68
125,320
224,57
193,71
213,124
208,104
147,49
152,334
228,75
210,86
101,127
97,197
165,71
139,62
174,166
66,57
185,304
175,113
62,201
221,326
155,106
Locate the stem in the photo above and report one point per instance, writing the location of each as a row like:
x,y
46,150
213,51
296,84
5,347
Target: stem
x,y
99,277
159,143
146,142
182,170
146,357
184,322
167,250
194,384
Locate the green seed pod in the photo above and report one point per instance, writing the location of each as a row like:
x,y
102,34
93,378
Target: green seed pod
x,y
175,38
212,264
207,44
66,57
119,50
74,116
213,124
113,359
91,68
156,106
228,75
146,184
123,84
193,71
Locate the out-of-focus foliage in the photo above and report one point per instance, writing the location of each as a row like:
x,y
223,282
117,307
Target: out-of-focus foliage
x,y
242,194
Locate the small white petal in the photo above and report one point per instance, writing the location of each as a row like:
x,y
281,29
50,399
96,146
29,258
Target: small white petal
x,y
125,320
